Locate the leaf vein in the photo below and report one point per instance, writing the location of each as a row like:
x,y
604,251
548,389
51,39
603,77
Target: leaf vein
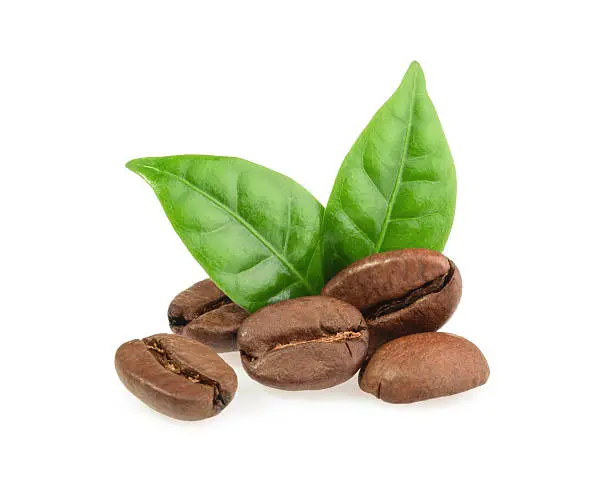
x,y
420,180
286,241
409,218
356,226
250,228
255,264
369,176
398,177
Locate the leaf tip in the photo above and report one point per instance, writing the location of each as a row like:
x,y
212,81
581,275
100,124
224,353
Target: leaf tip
x,y
415,66
137,165
415,70
133,165
413,75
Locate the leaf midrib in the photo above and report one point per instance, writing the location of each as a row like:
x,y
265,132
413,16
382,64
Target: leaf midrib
x,y
400,172
239,219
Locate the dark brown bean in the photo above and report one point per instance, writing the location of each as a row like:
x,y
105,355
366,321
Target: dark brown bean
x,y
423,366
204,313
304,343
176,376
399,292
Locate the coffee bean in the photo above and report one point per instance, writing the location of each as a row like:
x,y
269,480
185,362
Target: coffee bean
x,y
399,292
176,376
423,366
303,343
204,313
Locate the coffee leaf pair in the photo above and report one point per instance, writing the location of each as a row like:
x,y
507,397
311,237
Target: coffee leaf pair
x,y
264,238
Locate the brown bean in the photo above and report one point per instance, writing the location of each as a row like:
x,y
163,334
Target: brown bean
x,y
176,376
399,292
423,366
304,343
204,313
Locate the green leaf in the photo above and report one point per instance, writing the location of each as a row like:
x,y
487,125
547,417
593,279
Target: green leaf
x,y
255,231
396,187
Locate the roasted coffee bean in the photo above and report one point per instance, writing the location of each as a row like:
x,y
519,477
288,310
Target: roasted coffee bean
x,y
176,376
400,292
206,314
423,366
303,343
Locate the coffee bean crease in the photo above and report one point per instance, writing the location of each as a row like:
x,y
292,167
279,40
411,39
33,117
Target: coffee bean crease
x,y
165,359
181,321
389,306
342,337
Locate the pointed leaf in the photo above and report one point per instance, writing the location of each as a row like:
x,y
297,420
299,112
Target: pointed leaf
x,y
255,231
396,187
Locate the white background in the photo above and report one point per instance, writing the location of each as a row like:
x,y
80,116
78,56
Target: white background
x,y
88,259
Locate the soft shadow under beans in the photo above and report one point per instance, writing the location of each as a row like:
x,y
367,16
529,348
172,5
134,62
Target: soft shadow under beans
x,y
233,359
346,391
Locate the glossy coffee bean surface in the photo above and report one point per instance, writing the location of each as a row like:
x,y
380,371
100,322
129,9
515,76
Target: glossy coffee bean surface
x,y
399,292
204,313
304,343
423,366
176,376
